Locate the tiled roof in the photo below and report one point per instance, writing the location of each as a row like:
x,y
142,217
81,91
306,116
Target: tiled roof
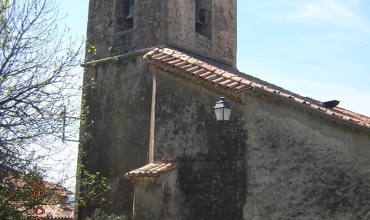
x,y
53,208
10,177
150,170
57,212
225,82
50,211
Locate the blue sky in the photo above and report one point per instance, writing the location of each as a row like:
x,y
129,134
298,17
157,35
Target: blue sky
x,y
316,48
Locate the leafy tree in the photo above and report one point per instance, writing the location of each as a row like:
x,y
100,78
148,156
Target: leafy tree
x,y
100,215
38,89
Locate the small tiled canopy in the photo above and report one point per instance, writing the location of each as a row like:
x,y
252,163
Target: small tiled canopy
x,y
150,170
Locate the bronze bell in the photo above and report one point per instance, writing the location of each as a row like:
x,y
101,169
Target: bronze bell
x,y
130,13
200,16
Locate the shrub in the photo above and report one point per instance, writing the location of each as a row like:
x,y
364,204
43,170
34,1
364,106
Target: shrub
x,y
101,215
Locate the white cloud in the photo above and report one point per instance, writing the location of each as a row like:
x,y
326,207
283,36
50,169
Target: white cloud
x,y
331,12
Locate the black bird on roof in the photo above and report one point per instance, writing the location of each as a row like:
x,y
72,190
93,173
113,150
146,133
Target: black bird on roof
x,y
330,104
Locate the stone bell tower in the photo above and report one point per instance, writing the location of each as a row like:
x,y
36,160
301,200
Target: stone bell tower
x,y
117,94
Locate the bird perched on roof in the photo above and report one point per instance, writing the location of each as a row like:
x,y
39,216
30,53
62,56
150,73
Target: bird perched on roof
x,y
330,104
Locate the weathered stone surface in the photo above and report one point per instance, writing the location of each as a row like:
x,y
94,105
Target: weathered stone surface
x,y
217,40
156,200
299,168
117,140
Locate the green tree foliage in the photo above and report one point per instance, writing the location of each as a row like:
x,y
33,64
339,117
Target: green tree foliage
x,y
93,186
37,92
100,215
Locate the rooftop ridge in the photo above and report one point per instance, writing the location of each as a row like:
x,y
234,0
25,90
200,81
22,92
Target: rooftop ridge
x,y
234,85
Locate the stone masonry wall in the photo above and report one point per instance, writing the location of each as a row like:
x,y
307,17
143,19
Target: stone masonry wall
x,y
209,155
117,98
181,33
304,167
157,200
115,137
272,161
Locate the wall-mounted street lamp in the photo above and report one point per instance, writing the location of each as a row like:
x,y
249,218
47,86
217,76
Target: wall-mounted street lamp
x,y
222,110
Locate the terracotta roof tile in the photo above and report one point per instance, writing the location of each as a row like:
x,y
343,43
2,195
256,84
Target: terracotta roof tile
x,y
158,55
219,72
338,115
224,83
246,82
285,95
199,63
208,67
298,100
237,78
163,57
176,55
243,90
241,87
192,61
200,71
227,75
58,211
168,51
193,69
355,120
270,90
218,80
180,64
315,106
345,117
322,109
150,170
232,85
187,67
329,112
168,59
257,85
184,58
175,61
211,77
205,75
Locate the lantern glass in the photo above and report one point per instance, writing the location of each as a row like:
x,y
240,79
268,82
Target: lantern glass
x,y
227,113
222,110
219,114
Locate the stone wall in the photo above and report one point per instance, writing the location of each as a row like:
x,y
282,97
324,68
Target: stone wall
x,y
272,161
115,137
117,99
180,31
210,156
304,167
102,32
157,200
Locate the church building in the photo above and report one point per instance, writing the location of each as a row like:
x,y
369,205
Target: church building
x,y
154,71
